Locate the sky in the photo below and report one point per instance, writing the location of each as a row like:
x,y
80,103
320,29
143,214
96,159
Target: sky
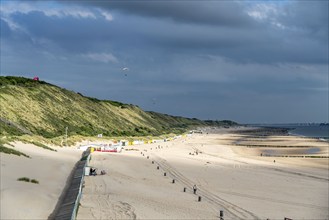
x,y
247,61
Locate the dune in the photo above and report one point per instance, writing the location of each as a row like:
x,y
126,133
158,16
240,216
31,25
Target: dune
x,y
26,200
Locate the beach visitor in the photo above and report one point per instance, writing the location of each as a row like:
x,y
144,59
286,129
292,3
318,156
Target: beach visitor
x,y
93,171
194,189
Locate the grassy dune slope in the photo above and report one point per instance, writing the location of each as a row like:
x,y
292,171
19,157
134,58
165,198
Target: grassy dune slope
x,y
36,107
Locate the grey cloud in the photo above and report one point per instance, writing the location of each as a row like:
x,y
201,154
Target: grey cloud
x,y
194,65
263,44
309,16
84,35
226,13
73,35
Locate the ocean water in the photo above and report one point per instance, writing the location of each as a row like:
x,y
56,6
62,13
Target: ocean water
x,y
315,131
306,130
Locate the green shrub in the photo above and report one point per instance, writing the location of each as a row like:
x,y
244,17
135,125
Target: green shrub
x,y
35,181
10,129
17,80
25,179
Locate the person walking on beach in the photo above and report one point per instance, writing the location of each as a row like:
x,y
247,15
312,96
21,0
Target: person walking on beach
x,y
194,189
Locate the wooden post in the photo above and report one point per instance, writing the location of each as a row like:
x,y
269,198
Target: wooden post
x,y
173,181
184,190
199,199
165,174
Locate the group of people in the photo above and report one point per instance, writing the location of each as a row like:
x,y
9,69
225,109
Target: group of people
x,y
196,152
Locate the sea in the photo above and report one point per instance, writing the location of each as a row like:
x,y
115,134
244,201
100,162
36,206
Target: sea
x,y
313,130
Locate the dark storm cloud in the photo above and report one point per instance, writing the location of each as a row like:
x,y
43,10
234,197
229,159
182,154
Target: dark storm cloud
x,y
226,13
262,43
223,28
247,61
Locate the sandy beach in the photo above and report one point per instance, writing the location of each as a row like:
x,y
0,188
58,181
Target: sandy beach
x,y
234,173
26,200
230,174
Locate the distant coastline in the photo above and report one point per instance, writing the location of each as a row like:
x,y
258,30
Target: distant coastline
x,y
313,130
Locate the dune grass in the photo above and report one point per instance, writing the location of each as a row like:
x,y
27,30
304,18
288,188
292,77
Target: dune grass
x,y
39,108
42,145
7,150
26,179
35,181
